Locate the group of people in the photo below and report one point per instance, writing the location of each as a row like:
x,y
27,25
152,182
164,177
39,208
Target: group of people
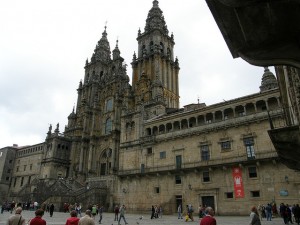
x,y
290,214
88,219
156,211
11,206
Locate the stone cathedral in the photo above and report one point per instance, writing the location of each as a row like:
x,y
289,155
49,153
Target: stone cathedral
x,y
132,144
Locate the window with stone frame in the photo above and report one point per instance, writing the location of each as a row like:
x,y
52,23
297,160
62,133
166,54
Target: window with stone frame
x,y
255,194
162,155
108,126
204,151
156,190
205,176
225,145
177,179
109,105
252,172
229,195
249,144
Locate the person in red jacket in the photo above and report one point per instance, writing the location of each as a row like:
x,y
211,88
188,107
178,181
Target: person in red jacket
x,y
73,220
37,220
208,219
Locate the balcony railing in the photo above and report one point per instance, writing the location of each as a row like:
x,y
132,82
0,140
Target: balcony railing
x,y
213,162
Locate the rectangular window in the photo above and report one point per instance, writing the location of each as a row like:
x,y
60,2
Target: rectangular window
x,y
8,171
156,190
162,155
149,151
205,153
177,179
17,169
255,194
249,144
7,178
226,145
252,172
229,194
205,176
15,182
22,180
24,167
178,161
29,179
10,161
30,167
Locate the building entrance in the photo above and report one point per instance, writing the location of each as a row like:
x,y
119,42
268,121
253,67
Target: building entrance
x,y
208,201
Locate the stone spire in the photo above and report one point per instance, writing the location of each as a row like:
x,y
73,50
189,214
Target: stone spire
x,y
156,20
268,81
102,50
116,51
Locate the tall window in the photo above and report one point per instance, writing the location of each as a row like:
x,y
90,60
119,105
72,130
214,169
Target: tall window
x,y
108,126
178,161
252,172
205,176
249,144
109,105
205,153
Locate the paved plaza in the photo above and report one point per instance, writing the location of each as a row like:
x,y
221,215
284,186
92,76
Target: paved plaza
x,y
59,218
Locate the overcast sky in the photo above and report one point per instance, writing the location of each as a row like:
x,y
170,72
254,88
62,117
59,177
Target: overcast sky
x,y
44,46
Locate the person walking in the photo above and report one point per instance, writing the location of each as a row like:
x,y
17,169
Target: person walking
x,y
179,211
16,219
269,212
86,219
297,214
94,211
208,219
116,212
100,211
152,212
51,209
38,220
122,214
78,209
254,217
73,220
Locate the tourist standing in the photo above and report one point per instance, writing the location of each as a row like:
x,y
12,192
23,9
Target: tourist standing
x,y
254,217
122,214
38,220
179,211
73,220
269,212
152,212
78,209
116,212
208,219
86,219
16,219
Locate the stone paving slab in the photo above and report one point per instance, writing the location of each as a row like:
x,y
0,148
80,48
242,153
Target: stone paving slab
x,y
59,218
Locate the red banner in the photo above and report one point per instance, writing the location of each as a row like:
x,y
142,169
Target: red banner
x,y
238,182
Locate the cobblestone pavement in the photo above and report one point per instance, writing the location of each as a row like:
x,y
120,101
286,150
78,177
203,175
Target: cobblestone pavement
x,y
133,219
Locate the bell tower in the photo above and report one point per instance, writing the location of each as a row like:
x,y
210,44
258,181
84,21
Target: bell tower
x,y
154,69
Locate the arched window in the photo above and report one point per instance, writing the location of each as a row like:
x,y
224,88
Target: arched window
x,y
109,105
108,126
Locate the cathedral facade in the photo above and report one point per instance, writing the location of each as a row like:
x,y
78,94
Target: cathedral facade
x,y
132,144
